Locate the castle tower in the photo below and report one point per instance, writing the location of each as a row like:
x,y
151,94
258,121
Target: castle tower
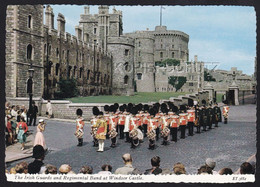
x,y
24,49
122,50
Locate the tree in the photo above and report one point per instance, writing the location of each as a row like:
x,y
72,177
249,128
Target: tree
x,y
177,82
67,89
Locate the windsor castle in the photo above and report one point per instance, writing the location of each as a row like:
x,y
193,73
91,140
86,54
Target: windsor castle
x,y
102,58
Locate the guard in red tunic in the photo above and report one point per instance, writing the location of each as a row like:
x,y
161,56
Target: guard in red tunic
x,y
165,131
134,123
145,119
183,116
121,122
151,135
106,117
79,127
174,126
191,120
112,125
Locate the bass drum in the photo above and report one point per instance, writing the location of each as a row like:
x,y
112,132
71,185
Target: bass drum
x,y
140,135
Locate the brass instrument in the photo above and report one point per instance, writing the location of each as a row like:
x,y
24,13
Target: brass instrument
x,y
133,134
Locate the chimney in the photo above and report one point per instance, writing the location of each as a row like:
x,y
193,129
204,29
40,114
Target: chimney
x,y
61,23
49,17
86,9
78,32
195,58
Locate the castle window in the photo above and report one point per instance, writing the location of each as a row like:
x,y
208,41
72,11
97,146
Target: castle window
x,y
74,71
139,64
172,54
139,76
49,50
139,44
161,54
88,74
80,72
95,30
126,66
45,49
57,52
49,68
161,46
172,46
139,53
29,21
191,84
69,71
29,52
126,79
126,52
57,69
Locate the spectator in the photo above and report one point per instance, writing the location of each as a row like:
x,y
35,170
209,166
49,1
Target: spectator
x,y
86,170
49,109
9,131
50,169
21,130
246,168
225,171
37,165
12,170
204,170
179,169
24,114
211,163
33,114
21,167
155,161
65,169
13,112
106,169
128,168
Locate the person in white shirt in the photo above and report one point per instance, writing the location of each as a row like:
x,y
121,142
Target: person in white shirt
x,y
49,109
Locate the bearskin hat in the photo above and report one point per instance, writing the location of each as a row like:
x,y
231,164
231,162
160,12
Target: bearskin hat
x,y
95,111
183,108
146,108
111,108
79,112
106,108
174,108
122,108
101,113
134,110
152,112
190,102
116,105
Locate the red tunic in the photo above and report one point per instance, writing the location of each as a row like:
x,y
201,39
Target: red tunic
x,y
121,119
175,121
191,115
183,118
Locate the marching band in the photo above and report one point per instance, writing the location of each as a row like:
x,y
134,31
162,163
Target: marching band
x,y
135,122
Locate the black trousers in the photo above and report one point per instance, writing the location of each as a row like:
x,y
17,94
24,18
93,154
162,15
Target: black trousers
x,y
95,142
80,140
32,118
165,140
121,131
216,124
157,133
225,120
183,127
151,144
210,123
198,128
113,140
190,127
174,134
204,126
127,137
134,142
145,129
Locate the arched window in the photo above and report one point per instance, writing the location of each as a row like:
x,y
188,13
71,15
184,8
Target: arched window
x,y
172,54
161,54
74,71
50,50
29,52
80,72
139,44
126,79
45,49
57,52
49,68
88,74
139,64
57,69
29,21
139,53
126,66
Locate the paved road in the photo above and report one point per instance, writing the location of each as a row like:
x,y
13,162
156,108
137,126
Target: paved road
x,y
230,145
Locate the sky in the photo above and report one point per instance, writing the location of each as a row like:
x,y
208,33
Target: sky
x,y
222,34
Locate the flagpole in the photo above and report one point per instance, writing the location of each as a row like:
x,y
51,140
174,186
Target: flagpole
x,y
161,16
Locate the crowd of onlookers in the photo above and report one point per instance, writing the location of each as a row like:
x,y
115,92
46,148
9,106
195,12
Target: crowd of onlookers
x,y
37,166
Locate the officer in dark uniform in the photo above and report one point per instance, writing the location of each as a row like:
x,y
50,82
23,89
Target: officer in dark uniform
x,y
146,109
197,118
210,116
204,117
216,115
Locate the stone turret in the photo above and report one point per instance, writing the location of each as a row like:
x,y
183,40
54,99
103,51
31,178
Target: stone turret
x,y
61,23
49,17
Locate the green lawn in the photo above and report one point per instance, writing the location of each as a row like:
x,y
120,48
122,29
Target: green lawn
x,y
137,98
